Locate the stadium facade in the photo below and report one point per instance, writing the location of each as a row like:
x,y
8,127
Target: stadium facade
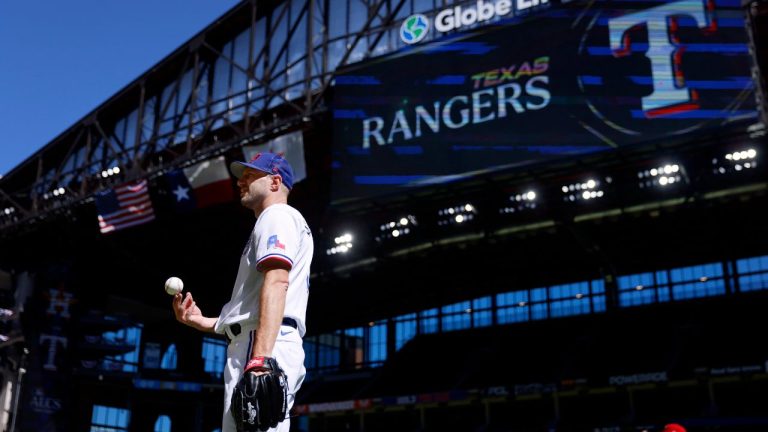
x,y
528,215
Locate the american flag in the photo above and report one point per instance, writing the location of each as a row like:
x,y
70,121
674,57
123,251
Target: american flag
x,y
125,206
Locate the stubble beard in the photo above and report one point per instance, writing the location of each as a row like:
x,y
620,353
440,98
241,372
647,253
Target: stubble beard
x,y
247,201
250,201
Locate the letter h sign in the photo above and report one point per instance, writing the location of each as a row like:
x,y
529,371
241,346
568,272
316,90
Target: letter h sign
x,y
670,94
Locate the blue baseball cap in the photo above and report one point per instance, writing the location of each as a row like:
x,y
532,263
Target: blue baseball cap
x,y
269,163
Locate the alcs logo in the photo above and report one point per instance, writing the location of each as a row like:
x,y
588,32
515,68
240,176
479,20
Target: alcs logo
x,y
414,29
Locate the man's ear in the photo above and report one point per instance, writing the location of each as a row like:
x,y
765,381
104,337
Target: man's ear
x,y
277,180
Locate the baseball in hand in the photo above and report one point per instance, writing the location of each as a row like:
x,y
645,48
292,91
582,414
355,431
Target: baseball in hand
x,y
173,285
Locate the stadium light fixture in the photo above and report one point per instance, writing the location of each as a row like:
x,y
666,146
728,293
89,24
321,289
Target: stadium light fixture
x,y
520,202
55,193
662,176
398,227
457,215
341,244
8,215
589,189
110,172
737,161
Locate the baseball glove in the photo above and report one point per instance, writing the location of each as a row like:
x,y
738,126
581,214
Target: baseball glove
x,y
260,402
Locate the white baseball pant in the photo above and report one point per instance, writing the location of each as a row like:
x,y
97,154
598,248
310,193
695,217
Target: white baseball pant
x,y
289,353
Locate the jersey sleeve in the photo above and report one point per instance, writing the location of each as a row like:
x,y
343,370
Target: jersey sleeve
x,y
278,241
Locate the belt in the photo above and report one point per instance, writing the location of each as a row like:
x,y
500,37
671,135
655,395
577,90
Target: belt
x,y
235,328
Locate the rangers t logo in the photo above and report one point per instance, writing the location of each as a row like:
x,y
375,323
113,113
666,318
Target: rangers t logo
x,y
670,94
273,242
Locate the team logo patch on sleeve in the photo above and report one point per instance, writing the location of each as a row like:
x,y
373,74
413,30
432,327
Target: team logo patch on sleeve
x,y
274,243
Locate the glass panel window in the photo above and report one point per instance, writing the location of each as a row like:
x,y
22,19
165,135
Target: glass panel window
x,y
598,295
220,86
277,52
148,121
752,273
163,424
457,316
337,21
405,329
428,321
297,47
336,50
119,133
643,288
180,121
214,356
539,306
109,419
354,332
377,344
697,281
639,289
481,312
329,346
569,299
358,14
130,129
256,87
238,84
421,6
512,307
578,298
169,358
128,338
310,359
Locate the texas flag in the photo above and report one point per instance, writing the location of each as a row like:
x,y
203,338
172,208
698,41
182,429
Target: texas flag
x,y
274,243
289,146
179,191
201,185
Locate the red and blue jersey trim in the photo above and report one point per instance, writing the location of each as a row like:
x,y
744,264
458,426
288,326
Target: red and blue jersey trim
x,y
279,259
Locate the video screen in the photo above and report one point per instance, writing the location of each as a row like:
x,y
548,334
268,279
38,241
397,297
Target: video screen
x,y
570,81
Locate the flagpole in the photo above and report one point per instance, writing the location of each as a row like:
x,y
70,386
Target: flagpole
x,y
16,396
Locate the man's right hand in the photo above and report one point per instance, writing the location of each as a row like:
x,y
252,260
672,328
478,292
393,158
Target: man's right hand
x,y
188,313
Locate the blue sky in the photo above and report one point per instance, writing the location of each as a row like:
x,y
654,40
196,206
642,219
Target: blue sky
x,y
61,59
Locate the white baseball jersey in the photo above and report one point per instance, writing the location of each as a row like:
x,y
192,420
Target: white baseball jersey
x,y
280,235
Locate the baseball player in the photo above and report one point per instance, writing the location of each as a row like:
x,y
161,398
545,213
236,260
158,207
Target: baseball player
x,y
264,320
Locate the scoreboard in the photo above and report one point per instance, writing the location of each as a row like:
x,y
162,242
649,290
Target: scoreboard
x,y
571,80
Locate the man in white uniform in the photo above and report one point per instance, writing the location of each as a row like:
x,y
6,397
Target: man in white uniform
x,y
266,314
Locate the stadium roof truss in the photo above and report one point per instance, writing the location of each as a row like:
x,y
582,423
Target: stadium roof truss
x,y
258,70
